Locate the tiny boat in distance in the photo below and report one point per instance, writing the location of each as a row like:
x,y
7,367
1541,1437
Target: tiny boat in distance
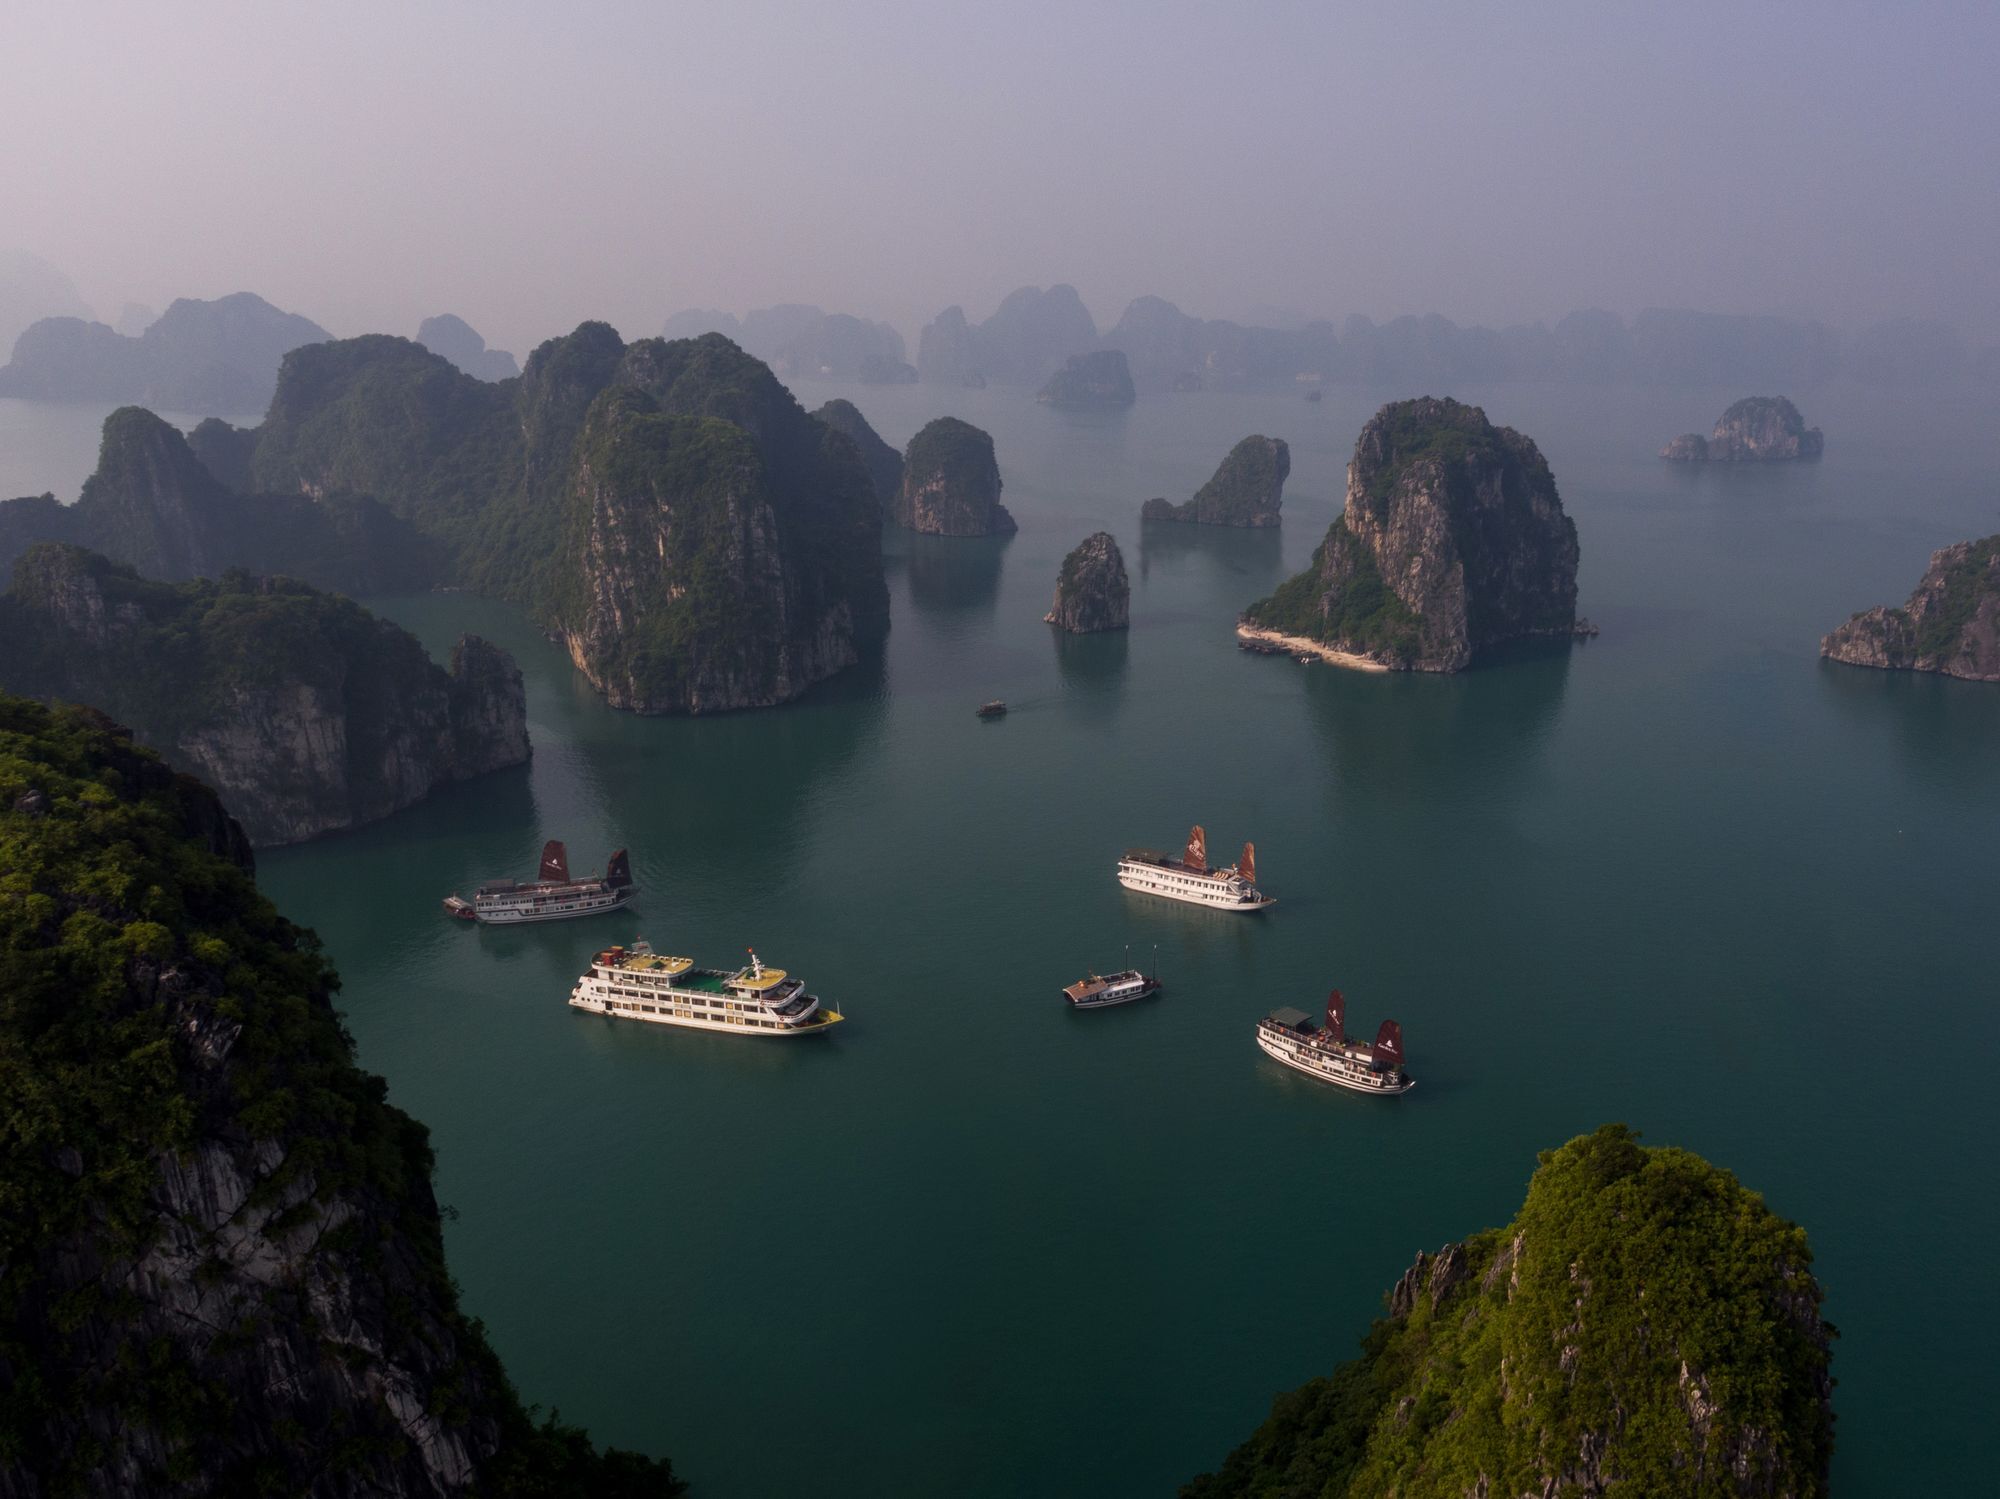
x,y
1099,991
636,983
1189,878
994,709
551,896
1289,1036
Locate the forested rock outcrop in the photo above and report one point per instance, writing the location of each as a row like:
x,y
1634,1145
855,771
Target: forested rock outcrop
x,y
884,463
221,1264
155,503
198,356
507,478
1757,429
1248,489
951,483
1092,590
1097,381
1453,540
306,712
1950,625
1645,1325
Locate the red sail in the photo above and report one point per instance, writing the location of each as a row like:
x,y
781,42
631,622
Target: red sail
x,y
1389,1044
618,873
1336,1016
1247,865
1196,856
555,863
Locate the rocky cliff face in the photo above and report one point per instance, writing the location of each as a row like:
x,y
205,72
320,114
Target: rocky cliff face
x,y
951,483
1645,1325
1098,381
1757,429
884,463
1092,591
221,1266
1247,490
308,714
1453,540
154,503
1951,624
493,474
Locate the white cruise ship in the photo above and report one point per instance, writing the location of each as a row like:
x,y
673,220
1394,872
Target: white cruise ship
x,y
1289,1036
1190,879
551,896
636,983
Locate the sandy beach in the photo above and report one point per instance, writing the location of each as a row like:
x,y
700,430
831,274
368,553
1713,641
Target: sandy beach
x,y
1301,645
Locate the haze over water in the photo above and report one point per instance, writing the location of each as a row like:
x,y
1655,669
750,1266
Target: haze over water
x,y
1684,875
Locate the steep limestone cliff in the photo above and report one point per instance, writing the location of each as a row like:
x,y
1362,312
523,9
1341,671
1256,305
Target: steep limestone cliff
x,y
1756,429
951,483
221,1264
1453,540
1951,624
154,503
1098,381
884,463
308,714
1247,490
1092,591
1645,1325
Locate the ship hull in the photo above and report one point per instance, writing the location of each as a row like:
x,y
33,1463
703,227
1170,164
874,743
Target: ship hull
x,y
819,1022
1106,1001
553,910
1189,889
1301,1058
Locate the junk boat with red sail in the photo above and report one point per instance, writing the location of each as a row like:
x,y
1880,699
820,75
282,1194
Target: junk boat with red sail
x,y
1190,879
551,896
636,983
1324,1052
1095,991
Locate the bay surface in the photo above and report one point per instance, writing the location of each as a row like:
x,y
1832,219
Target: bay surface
x,y
1684,875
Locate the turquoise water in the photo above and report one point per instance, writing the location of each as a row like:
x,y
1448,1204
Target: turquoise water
x,y
1684,875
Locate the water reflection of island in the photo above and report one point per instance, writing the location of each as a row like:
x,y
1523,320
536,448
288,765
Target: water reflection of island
x,y
1252,556
948,574
1093,668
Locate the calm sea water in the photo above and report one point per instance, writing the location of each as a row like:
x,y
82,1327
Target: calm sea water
x,y
1684,875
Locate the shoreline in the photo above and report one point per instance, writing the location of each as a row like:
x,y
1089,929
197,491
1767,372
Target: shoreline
x,y
1298,644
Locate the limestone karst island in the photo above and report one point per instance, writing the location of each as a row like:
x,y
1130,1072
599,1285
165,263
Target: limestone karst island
x,y
749,751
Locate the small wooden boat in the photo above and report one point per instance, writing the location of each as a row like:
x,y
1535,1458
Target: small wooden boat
x,y
994,709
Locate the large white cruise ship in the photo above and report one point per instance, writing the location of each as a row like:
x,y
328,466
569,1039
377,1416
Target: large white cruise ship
x,y
636,983
1190,879
1324,1052
551,896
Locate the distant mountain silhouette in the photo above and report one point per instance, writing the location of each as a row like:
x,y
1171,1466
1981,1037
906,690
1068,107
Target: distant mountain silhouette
x,y
455,339
31,289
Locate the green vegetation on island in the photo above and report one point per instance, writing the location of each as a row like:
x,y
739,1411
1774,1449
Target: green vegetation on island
x,y
221,1264
1951,623
951,483
1247,488
1645,1325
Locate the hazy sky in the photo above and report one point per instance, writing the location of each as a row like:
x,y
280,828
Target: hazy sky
x,y
531,165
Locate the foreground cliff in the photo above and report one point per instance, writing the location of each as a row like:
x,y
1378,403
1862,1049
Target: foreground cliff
x,y
1092,590
306,712
951,483
1951,624
1645,1325
1453,540
170,506
507,478
884,463
1248,489
1757,429
221,1267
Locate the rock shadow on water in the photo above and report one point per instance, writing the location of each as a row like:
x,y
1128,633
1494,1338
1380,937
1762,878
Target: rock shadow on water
x,y
948,575
1945,729
1251,555
1093,670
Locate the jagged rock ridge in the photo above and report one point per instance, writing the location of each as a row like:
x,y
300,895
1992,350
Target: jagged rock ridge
x,y
1247,489
1756,429
1453,540
1645,1325
1950,625
1092,590
951,483
309,714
